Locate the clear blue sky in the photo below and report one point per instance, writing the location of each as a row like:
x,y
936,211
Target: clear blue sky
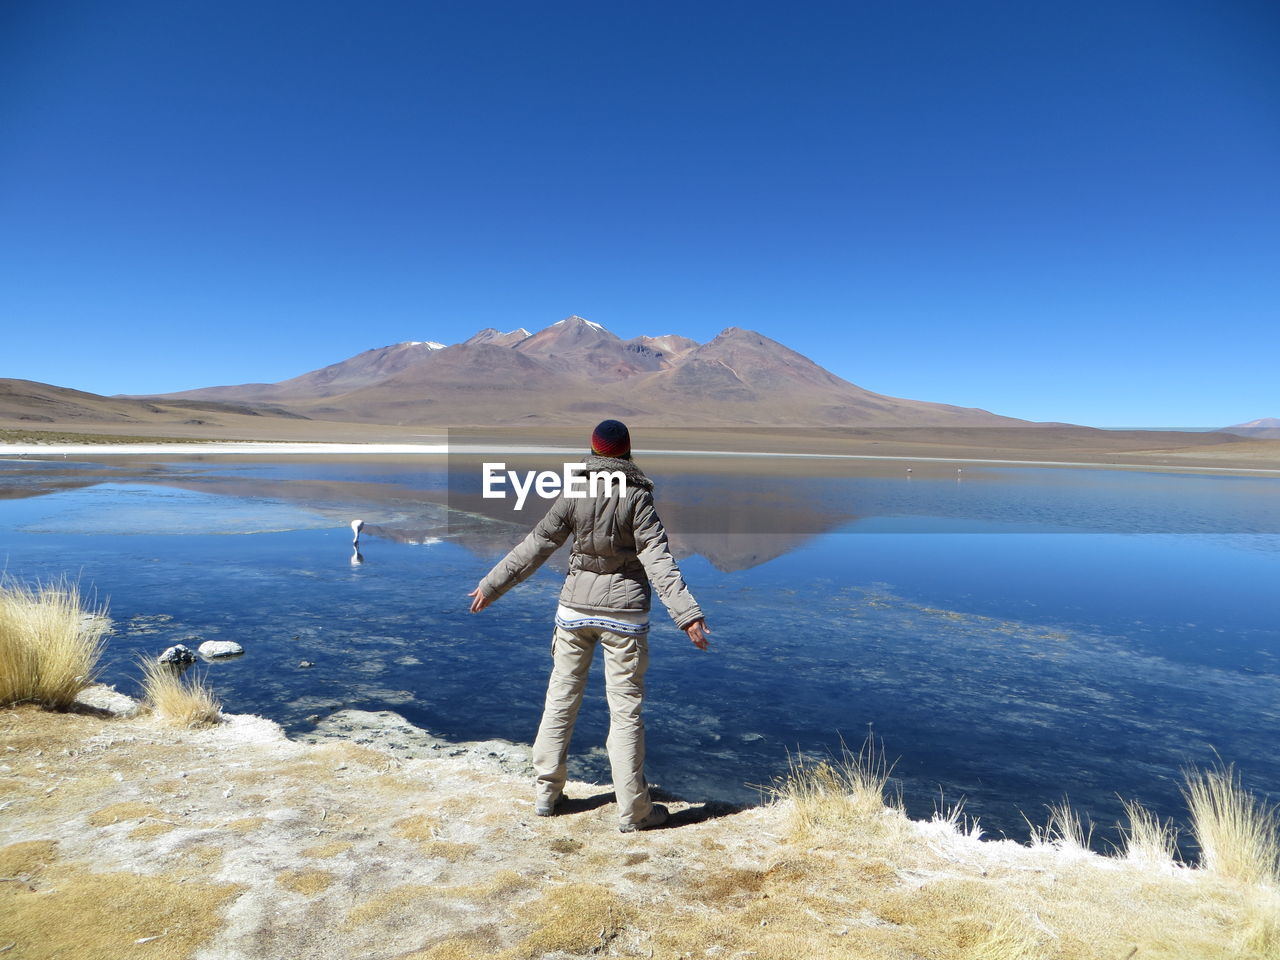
x,y
1063,211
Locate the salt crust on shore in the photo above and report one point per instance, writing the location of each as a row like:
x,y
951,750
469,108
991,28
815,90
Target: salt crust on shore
x,y
37,452
379,840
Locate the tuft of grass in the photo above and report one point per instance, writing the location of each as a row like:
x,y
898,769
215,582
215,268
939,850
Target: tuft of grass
x,y
502,883
325,851
838,792
50,644
1006,938
579,918
422,827
397,905
954,816
116,812
1064,828
245,824
1238,833
1258,931
173,698
1147,838
27,858
306,882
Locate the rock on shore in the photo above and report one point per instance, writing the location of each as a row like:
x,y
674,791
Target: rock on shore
x,y
388,731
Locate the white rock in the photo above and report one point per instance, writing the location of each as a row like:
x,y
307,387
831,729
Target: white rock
x,y
107,699
213,649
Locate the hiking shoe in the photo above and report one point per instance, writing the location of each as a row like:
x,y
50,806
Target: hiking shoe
x,y
548,808
656,818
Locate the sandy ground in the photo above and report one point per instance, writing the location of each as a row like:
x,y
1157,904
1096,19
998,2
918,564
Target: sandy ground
x,y
124,837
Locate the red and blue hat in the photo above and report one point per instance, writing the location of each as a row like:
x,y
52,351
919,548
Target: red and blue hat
x,y
611,438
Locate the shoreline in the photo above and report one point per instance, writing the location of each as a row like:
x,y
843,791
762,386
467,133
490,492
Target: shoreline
x,y
237,841
36,453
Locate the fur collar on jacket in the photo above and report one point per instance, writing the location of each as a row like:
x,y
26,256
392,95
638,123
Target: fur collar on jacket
x,y
634,475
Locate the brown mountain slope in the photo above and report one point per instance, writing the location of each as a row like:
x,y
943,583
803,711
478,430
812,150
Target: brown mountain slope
x,y
496,337
465,383
743,376
44,405
362,370
33,402
587,351
671,345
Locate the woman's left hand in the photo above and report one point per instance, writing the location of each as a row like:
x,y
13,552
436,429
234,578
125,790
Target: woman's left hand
x,y
478,599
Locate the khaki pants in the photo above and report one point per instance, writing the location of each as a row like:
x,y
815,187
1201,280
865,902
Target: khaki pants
x,y
625,660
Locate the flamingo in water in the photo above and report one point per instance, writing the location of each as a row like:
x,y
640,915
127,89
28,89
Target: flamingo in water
x,y
356,527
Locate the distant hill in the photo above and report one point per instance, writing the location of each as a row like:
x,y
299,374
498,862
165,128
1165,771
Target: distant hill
x,y
362,370
575,368
1267,428
43,406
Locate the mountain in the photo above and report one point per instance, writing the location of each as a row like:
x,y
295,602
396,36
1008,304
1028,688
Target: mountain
x,y
575,368
497,337
587,351
672,346
1267,428
362,370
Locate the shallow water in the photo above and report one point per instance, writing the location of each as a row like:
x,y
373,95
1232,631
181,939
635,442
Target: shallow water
x,y
1014,636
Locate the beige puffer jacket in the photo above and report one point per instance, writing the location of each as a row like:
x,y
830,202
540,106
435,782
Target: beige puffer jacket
x,y
619,546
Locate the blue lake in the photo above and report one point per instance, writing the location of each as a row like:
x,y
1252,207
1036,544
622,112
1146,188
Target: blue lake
x,y
1014,635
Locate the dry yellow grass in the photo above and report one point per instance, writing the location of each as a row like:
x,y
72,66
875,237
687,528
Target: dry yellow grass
x,y
420,827
397,902
176,699
446,850
502,882
457,948
1064,827
50,644
26,858
245,824
1001,912
1238,834
117,812
1147,838
838,793
306,882
154,828
325,851
64,911
578,918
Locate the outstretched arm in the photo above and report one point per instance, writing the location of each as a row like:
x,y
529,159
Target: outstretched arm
x,y
525,557
661,568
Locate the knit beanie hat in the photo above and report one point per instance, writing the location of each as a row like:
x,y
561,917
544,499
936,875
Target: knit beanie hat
x,y
611,439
